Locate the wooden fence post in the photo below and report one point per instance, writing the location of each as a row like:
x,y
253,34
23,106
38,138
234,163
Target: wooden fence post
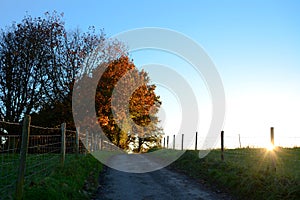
x,y
86,142
182,137
23,155
63,143
97,142
222,145
93,143
167,142
272,136
164,142
173,142
273,153
196,140
77,141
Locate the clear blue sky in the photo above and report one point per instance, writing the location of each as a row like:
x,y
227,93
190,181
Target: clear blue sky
x,y
255,46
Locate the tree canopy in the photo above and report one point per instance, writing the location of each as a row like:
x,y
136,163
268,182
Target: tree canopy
x,y
128,92
39,63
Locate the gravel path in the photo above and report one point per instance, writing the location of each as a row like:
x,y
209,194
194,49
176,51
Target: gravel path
x,y
161,184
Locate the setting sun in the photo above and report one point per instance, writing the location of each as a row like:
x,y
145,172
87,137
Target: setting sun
x,y
270,147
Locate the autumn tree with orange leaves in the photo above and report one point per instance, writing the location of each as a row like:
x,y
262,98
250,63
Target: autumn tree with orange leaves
x,y
127,91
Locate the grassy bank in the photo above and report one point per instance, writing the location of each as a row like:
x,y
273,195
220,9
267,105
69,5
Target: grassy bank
x,y
247,173
78,179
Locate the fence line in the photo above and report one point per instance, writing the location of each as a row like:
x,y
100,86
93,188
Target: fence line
x,y
9,123
273,158
270,157
31,126
45,151
43,154
230,141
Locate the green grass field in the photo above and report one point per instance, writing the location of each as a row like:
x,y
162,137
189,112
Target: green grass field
x,y
45,177
37,167
78,179
244,173
247,173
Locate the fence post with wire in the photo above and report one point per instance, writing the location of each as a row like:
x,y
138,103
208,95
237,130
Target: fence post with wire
x,y
28,153
23,155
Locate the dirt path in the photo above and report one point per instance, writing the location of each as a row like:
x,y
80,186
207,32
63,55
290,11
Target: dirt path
x,y
162,184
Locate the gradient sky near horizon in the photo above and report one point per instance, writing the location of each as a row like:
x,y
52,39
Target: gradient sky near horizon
x,y
255,46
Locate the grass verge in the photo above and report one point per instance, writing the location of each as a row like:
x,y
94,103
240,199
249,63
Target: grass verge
x,y
246,173
78,179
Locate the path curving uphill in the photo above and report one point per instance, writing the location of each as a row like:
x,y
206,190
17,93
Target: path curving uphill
x,y
162,184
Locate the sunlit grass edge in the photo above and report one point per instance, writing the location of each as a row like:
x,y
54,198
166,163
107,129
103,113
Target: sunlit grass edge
x,y
247,173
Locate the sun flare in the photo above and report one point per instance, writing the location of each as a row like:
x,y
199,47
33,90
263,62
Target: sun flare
x,y
270,147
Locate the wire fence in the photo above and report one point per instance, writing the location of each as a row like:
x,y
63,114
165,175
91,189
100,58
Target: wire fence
x,y
45,150
9,147
196,142
261,154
